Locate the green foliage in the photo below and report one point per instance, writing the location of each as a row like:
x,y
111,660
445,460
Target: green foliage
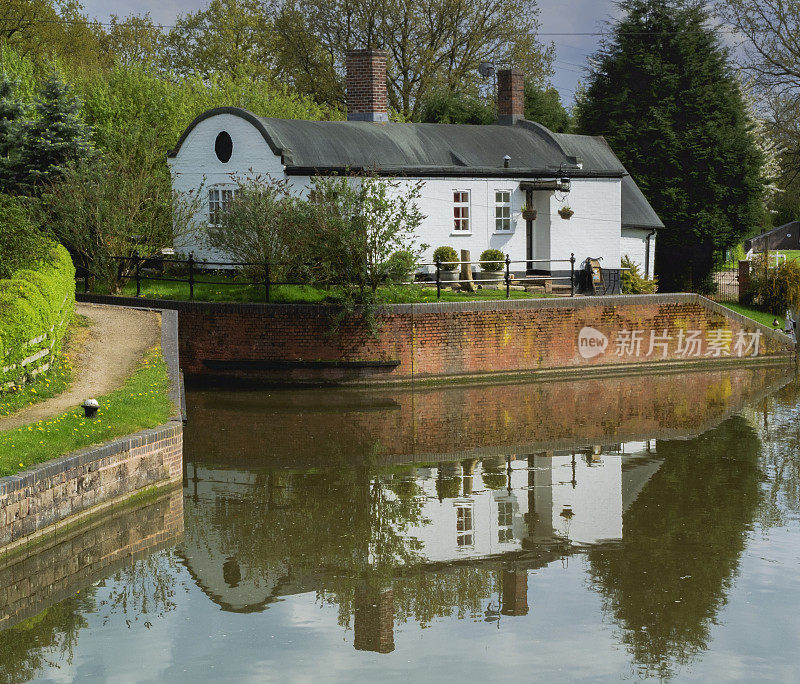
x,y
777,289
633,282
43,146
446,253
492,255
400,265
35,304
544,106
264,223
456,108
664,96
22,243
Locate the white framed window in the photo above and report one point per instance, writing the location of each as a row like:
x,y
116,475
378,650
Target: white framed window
x,y
219,201
505,521
502,211
464,532
461,215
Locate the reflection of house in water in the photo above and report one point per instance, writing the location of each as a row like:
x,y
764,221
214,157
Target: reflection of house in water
x,y
254,536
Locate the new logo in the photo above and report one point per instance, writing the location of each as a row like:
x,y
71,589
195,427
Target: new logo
x,y
591,343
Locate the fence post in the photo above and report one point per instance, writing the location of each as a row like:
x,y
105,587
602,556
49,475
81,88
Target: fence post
x,y
508,276
86,282
191,275
572,274
438,279
138,273
266,276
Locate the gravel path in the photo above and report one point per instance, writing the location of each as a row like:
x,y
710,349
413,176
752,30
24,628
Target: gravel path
x,y
102,358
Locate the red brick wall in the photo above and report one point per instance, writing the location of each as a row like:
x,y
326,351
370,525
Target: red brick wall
x,y
441,340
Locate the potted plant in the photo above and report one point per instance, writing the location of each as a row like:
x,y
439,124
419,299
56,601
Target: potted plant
x,y
528,214
447,273
401,266
492,265
565,212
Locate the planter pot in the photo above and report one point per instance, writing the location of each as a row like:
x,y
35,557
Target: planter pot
x,y
446,276
494,276
529,214
566,213
409,277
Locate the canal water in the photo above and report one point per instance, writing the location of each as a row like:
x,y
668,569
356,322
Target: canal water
x,y
642,527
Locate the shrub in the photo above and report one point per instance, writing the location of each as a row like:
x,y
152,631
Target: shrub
x,y
492,255
633,282
446,253
777,289
400,265
22,244
35,305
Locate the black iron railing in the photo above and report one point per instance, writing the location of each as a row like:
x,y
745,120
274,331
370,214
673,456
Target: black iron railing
x,y
192,272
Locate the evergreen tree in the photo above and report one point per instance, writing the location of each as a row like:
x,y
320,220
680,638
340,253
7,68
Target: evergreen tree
x,y
663,94
12,117
56,137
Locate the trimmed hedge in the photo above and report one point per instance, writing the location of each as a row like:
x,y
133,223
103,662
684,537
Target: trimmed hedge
x,y
35,308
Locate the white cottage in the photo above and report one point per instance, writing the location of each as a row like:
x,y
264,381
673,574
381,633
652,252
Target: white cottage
x,y
476,179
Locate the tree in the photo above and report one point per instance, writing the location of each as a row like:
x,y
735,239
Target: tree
x,y
57,136
544,106
432,44
456,108
12,117
664,96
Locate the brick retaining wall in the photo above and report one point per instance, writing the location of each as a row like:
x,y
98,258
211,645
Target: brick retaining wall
x,y
293,343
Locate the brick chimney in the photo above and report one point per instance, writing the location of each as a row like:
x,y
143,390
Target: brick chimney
x,y
367,98
510,96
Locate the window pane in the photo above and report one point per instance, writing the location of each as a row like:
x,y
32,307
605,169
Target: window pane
x,y
456,197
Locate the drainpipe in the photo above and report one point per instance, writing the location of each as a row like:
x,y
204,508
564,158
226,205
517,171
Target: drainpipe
x,y
647,253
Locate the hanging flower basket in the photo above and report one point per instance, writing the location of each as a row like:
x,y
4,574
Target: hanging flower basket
x,y
529,214
565,213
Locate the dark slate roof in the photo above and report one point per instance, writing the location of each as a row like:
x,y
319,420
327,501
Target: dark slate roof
x,y
414,149
786,236
636,210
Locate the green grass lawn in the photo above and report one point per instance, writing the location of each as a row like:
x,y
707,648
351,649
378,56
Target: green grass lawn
x,y
142,402
48,384
240,292
754,313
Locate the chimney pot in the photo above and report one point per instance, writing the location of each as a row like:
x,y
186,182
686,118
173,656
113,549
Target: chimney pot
x,y
366,85
510,96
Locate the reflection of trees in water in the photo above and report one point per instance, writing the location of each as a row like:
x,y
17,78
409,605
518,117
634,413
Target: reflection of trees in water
x,y
682,539
138,592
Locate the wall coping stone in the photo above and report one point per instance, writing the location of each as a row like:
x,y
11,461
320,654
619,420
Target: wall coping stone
x,y
608,301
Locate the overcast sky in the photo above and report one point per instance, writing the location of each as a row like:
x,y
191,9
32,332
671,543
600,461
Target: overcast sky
x,y
557,16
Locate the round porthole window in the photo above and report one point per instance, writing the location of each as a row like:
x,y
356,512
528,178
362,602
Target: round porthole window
x,y
223,146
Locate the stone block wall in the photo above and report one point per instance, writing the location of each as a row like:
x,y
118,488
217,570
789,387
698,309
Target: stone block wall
x,y
31,581
62,491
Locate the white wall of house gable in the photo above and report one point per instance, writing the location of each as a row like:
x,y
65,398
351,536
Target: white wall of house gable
x,y
196,165
633,243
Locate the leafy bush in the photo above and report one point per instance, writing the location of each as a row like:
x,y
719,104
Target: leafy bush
x,y
400,265
22,244
777,289
633,282
446,253
492,255
35,305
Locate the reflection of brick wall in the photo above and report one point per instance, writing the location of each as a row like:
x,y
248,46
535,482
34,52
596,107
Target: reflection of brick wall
x,y
434,340
459,418
59,490
515,592
373,622
49,573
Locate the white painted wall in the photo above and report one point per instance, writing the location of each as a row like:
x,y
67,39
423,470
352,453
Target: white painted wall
x,y
594,230
634,243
